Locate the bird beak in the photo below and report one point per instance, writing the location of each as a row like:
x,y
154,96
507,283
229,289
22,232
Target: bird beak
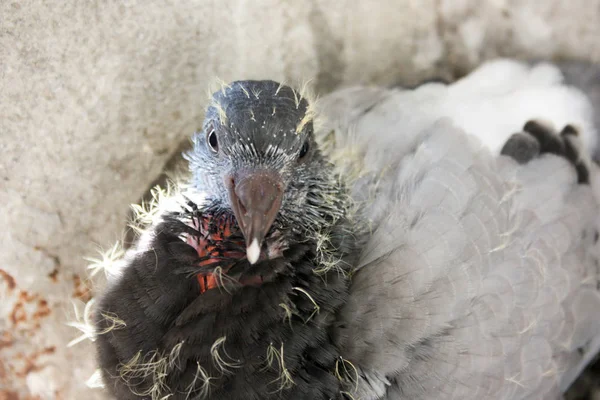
x,y
255,197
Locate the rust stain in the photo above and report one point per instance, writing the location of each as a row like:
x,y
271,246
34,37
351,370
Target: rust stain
x,y
28,312
2,372
18,314
54,275
10,281
81,291
30,366
8,395
6,339
31,360
12,395
42,311
26,297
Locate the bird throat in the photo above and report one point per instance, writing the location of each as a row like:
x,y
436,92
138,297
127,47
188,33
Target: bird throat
x,y
219,245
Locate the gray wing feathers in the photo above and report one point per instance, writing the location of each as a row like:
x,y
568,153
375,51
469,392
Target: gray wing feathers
x,y
472,286
480,277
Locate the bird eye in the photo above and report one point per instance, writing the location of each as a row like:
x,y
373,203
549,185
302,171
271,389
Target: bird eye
x,y
211,139
304,150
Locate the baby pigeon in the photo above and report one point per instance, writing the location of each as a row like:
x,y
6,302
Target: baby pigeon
x,y
397,250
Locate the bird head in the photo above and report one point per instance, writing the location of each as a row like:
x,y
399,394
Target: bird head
x,y
256,158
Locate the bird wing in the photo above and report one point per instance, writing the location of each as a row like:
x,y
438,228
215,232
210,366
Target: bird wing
x,y
479,278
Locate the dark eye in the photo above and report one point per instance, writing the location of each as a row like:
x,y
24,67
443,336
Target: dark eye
x,y
304,150
211,139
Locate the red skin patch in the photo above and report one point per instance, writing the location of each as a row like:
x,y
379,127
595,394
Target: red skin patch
x,y
208,245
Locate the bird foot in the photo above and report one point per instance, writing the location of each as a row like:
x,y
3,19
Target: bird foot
x,y
539,138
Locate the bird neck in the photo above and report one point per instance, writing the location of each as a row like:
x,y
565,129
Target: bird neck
x,y
267,323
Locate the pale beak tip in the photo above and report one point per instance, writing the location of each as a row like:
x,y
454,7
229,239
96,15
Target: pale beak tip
x,y
253,252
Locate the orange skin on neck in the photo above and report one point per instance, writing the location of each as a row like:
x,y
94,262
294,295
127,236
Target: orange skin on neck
x,y
207,245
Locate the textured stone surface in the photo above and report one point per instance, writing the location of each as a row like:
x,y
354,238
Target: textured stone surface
x,y
96,95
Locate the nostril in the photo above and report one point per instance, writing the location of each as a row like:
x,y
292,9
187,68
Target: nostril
x,y
229,181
